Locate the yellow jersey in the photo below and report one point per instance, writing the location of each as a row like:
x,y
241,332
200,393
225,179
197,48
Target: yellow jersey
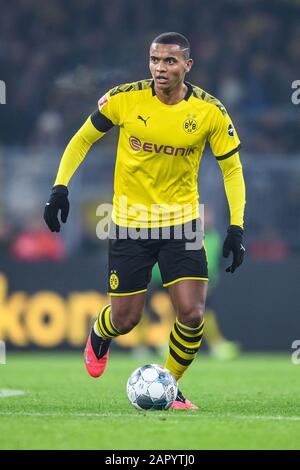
x,y
159,151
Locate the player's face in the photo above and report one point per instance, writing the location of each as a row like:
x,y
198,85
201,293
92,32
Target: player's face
x,y
168,65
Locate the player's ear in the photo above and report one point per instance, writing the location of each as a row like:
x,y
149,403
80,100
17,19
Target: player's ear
x,y
188,65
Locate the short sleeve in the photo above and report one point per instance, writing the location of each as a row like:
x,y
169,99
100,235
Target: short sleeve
x,y
223,138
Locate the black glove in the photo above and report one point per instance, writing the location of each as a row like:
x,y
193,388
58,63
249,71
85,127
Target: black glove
x,y
234,242
58,201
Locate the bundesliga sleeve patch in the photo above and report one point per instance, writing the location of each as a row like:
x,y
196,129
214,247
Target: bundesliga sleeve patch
x,y
230,130
103,100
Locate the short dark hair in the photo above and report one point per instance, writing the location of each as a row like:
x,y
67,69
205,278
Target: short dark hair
x,y
174,38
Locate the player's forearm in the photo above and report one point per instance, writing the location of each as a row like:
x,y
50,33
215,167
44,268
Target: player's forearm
x,y
77,150
235,188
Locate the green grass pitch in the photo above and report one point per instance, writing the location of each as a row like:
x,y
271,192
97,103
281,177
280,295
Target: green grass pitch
x,y
249,403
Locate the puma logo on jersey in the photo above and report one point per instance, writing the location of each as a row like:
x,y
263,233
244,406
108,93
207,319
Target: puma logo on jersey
x,y
144,120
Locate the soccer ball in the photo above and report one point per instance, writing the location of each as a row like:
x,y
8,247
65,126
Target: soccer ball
x,y
151,387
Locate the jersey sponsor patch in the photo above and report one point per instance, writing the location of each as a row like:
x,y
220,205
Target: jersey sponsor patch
x,y
230,130
103,100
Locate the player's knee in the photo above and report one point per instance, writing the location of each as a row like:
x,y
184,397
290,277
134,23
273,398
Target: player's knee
x,y
192,316
127,326
125,321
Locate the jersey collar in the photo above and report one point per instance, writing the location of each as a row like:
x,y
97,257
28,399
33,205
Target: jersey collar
x,y
188,93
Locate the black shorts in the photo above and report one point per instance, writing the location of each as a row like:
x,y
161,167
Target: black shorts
x,y
131,260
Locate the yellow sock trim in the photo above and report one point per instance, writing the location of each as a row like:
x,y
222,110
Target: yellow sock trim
x,y
184,343
188,331
104,324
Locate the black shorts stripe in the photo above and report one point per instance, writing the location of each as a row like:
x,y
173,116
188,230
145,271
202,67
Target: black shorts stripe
x,y
227,155
187,338
182,347
180,360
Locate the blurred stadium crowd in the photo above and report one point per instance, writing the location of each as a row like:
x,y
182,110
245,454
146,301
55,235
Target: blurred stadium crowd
x,y
58,58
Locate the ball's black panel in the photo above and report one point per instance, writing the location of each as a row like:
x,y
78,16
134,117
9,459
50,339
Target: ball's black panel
x,y
144,402
147,366
161,405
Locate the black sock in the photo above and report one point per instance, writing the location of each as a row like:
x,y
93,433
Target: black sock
x,y
100,346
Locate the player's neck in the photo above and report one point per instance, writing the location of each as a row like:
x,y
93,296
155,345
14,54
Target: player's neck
x,y
173,96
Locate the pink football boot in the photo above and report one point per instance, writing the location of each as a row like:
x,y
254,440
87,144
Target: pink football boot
x,y
181,403
95,366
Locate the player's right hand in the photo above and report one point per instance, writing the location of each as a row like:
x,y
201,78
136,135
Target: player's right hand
x,y
58,201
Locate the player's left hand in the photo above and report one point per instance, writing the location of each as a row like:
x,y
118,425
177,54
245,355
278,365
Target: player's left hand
x,y
234,242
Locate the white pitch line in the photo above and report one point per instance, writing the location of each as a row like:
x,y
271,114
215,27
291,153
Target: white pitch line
x,y
150,415
271,418
8,392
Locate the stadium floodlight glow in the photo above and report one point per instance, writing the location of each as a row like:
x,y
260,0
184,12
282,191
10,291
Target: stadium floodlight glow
x,y
2,92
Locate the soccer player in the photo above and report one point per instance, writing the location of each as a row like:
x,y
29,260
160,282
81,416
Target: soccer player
x,y
164,124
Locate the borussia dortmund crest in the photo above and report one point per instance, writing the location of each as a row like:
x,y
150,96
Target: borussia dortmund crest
x,y
190,125
113,281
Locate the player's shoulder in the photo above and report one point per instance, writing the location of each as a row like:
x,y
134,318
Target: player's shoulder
x,y
205,98
129,88
121,97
